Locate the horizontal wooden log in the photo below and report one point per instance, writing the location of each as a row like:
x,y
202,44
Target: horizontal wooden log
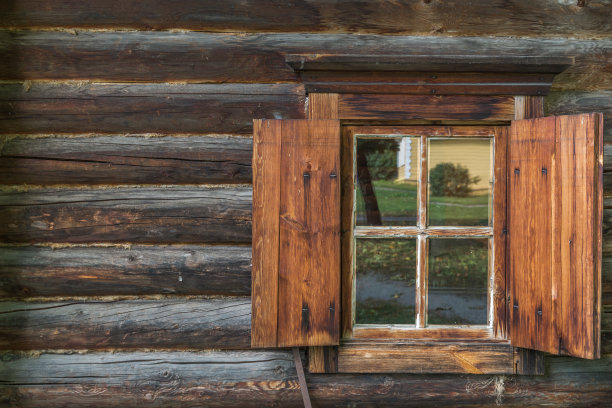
x,y
27,271
164,323
147,56
427,107
143,215
133,159
425,357
569,103
150,108
483,17
268,378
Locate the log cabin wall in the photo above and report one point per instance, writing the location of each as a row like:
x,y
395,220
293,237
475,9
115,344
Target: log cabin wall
x,y
125,204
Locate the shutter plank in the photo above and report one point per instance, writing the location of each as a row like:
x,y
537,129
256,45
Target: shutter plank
x,y
578,268
555,213
309,264
266,203
531,151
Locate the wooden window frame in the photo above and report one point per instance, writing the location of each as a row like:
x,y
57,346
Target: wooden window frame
x,y
495,327
437,350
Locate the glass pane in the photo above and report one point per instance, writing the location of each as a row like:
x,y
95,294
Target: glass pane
x,y
385,277
460,176
387,180
458,277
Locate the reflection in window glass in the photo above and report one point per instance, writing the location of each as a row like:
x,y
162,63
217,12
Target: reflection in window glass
x,y
458,276
387,180
460,176
385,281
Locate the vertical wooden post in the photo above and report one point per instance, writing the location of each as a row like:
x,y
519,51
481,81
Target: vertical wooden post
x,y
324,359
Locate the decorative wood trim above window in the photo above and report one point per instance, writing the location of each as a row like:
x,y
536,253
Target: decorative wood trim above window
x,y
426,74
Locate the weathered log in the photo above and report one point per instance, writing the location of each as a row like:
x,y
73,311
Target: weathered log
x,y
144,215
484,17
163,323
268,378
568,103
27,271
148,108
207,57
133,159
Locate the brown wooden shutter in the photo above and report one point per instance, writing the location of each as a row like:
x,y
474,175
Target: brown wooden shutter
x,y
554,224
296,233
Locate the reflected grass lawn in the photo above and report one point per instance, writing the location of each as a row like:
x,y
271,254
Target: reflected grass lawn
x,y
398,199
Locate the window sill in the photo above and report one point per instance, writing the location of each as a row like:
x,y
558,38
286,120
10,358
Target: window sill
x,y
451,356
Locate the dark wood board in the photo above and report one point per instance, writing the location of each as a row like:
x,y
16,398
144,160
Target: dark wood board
x,y
131,159
264,378
170,214
570,103
98,324
478,17
27,271
151,56
144,108
425,107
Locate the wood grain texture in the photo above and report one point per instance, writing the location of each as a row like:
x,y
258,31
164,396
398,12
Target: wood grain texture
x,y
479,17
132,159
425,107
265,242
526,361
556,211
148,108
346,251
571,103
500,229
323,359
258,378
424,357
530,212
309,260
255,379
163,323
27,271
153,56
428,80
126,214
576,274
322,106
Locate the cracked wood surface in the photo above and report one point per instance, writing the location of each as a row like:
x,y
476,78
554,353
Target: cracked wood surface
x,y
27,271
149,56
268,378
170,214
130,159
573,18
100,324
69,107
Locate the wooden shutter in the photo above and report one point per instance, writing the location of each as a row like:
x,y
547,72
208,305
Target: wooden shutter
x,y
554,224
296,233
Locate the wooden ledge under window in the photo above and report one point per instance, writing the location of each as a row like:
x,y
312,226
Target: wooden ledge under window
x,y
418,356
428,74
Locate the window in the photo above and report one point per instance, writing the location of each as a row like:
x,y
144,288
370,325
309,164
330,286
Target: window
x,y
422,230
543,212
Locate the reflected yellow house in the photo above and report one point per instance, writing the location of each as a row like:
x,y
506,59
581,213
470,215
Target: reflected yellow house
x,y
472,153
